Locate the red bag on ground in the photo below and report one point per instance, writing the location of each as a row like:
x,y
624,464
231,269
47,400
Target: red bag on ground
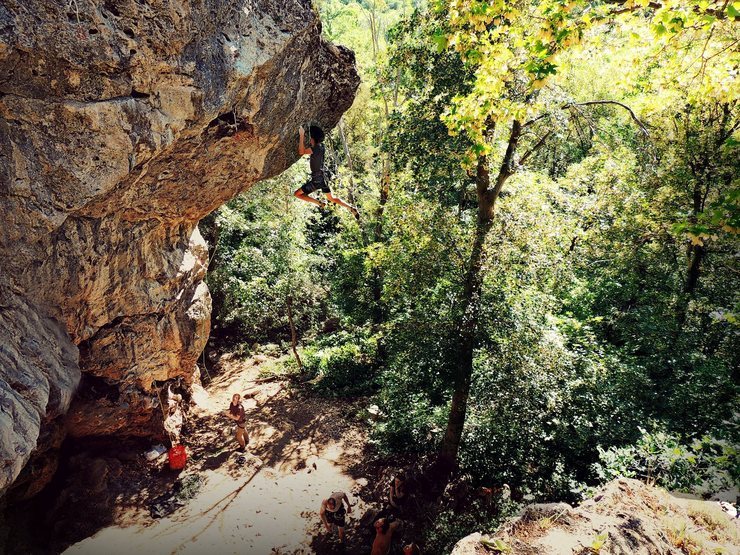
x,y
177,456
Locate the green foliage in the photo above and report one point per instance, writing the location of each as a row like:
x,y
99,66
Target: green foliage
x,y
590,328
599,542
496,545
515,48
451,525
534,421
609,295
343,364
265,248
705,467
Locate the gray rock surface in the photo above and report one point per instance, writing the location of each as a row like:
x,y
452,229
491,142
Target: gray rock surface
x,y
122,123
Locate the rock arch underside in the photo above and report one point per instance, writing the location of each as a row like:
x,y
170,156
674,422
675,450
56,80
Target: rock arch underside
x,y
117,134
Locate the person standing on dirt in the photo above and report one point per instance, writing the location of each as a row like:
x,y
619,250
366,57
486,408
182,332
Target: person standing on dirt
x,y
237,414
397,496
333,514
384,529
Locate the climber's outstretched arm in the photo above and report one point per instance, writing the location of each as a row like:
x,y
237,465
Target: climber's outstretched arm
x,y
301,143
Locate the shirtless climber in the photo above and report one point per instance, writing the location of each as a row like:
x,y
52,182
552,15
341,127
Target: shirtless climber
x,y
384,529
318,177
333,514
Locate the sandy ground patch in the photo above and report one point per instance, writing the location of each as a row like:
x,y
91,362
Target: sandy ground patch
x,y
301,450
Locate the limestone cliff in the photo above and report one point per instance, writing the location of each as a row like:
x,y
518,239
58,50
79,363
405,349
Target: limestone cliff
x,y
122,123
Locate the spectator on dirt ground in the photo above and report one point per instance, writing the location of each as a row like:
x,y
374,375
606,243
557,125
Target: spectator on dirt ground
x,y
333,514
397,495
384,529
237,414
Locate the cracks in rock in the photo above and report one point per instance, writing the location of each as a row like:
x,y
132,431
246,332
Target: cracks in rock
x,y
116,322
229,124
10,72
125,323
134,95
138,94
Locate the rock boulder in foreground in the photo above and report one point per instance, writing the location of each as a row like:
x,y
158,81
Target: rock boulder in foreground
x,y
626,517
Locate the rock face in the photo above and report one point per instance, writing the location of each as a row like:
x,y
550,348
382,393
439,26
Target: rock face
x,y
626,517
122,123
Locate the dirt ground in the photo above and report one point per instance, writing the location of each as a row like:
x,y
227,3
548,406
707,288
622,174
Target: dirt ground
x,y
301,449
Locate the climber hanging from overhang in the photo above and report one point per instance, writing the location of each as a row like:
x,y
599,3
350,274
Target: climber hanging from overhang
x,y
319,179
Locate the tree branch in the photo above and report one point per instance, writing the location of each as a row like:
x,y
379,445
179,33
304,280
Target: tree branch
x,y
535,120
507,164
537,146
718,13
616,103
632,114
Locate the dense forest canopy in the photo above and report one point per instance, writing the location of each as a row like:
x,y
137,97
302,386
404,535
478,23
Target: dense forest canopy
x,y
543,287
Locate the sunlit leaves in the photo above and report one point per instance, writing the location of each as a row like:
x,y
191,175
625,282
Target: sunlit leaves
x,y
693,45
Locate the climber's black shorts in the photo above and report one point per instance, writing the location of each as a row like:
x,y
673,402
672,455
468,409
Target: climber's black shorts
x,y
310,186
337,517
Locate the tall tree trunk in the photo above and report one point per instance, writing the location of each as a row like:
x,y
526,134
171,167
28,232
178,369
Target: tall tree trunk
x,y
350,163
696,253
293,338
487,196
379,312
472,297
696,256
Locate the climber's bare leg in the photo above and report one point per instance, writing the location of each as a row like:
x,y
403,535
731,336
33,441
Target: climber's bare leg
x,y
340,202
303,196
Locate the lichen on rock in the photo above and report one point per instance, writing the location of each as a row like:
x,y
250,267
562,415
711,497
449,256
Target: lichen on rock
x,y
122,123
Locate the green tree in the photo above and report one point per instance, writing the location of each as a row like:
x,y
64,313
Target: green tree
x,y
512,54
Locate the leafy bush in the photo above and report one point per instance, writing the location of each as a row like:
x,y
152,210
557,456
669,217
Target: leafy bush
x,y
411,424
706,466
450,526
262,256
345,365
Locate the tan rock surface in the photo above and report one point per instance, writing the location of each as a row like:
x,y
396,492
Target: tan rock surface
x,y
626,517
117,123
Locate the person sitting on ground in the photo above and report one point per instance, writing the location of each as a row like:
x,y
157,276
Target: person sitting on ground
x,y
411,549
397,496
384,529
333,514
237,414
318,173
